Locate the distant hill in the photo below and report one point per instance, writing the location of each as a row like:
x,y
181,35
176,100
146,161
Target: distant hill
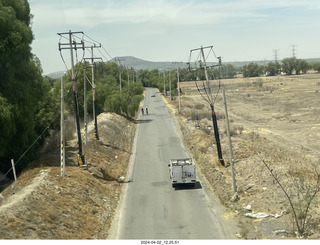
x,y
55,75
139,64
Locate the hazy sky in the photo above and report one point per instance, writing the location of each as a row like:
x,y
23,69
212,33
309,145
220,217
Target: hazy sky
x,y
166,30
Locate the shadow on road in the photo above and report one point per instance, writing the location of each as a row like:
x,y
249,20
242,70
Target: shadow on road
x,y
197,185
143,121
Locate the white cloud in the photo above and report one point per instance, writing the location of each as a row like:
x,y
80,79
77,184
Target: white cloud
x,y
182,13
240,28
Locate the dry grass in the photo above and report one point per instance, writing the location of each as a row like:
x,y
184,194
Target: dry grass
x,y
81,205
271,116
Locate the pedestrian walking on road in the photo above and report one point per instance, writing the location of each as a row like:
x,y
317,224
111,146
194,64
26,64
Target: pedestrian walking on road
x,y
142,111
147,111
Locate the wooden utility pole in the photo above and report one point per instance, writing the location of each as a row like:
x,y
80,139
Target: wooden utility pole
x,y
234,182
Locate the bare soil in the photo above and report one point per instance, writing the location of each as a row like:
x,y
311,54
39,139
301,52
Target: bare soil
x,y
276,119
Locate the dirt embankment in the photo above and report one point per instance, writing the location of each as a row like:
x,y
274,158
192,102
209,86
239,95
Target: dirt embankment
x,y
81,205
276,118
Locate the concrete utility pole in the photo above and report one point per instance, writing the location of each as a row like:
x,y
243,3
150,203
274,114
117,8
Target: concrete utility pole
x,y
85,105
170,85
62,134
178,81
234,182
178,85
74,45
164,83
211,103
96,134
120,68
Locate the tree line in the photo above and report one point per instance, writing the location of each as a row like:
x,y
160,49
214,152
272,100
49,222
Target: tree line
x,y
288,66
30,103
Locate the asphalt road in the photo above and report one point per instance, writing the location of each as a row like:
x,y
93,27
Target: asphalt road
x,y
151,208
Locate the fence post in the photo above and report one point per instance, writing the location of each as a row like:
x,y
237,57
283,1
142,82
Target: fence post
x,y
14,170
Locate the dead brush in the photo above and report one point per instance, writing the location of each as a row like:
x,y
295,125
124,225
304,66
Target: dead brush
x,y
300,193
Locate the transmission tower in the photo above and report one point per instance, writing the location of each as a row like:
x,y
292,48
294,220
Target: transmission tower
x,y
275,53
293,50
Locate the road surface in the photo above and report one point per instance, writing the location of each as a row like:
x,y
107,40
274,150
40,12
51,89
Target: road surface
x,y
151,208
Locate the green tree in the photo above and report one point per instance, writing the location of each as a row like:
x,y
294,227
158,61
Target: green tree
x,y
252,70
316,66
228,71
288,65
302,66
21,84
272,69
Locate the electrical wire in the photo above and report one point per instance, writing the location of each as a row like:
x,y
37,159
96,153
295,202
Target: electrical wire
x,y
199,60
202,94
94,42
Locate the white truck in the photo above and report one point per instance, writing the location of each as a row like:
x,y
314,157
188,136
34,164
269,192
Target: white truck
x,y
182,171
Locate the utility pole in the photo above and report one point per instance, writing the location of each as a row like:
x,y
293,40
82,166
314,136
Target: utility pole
x,y
211,102
96,135
62,134
94,109
128,75
234,182
85,105
170,85
164,83
74,45
120,68
179,99
178,83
